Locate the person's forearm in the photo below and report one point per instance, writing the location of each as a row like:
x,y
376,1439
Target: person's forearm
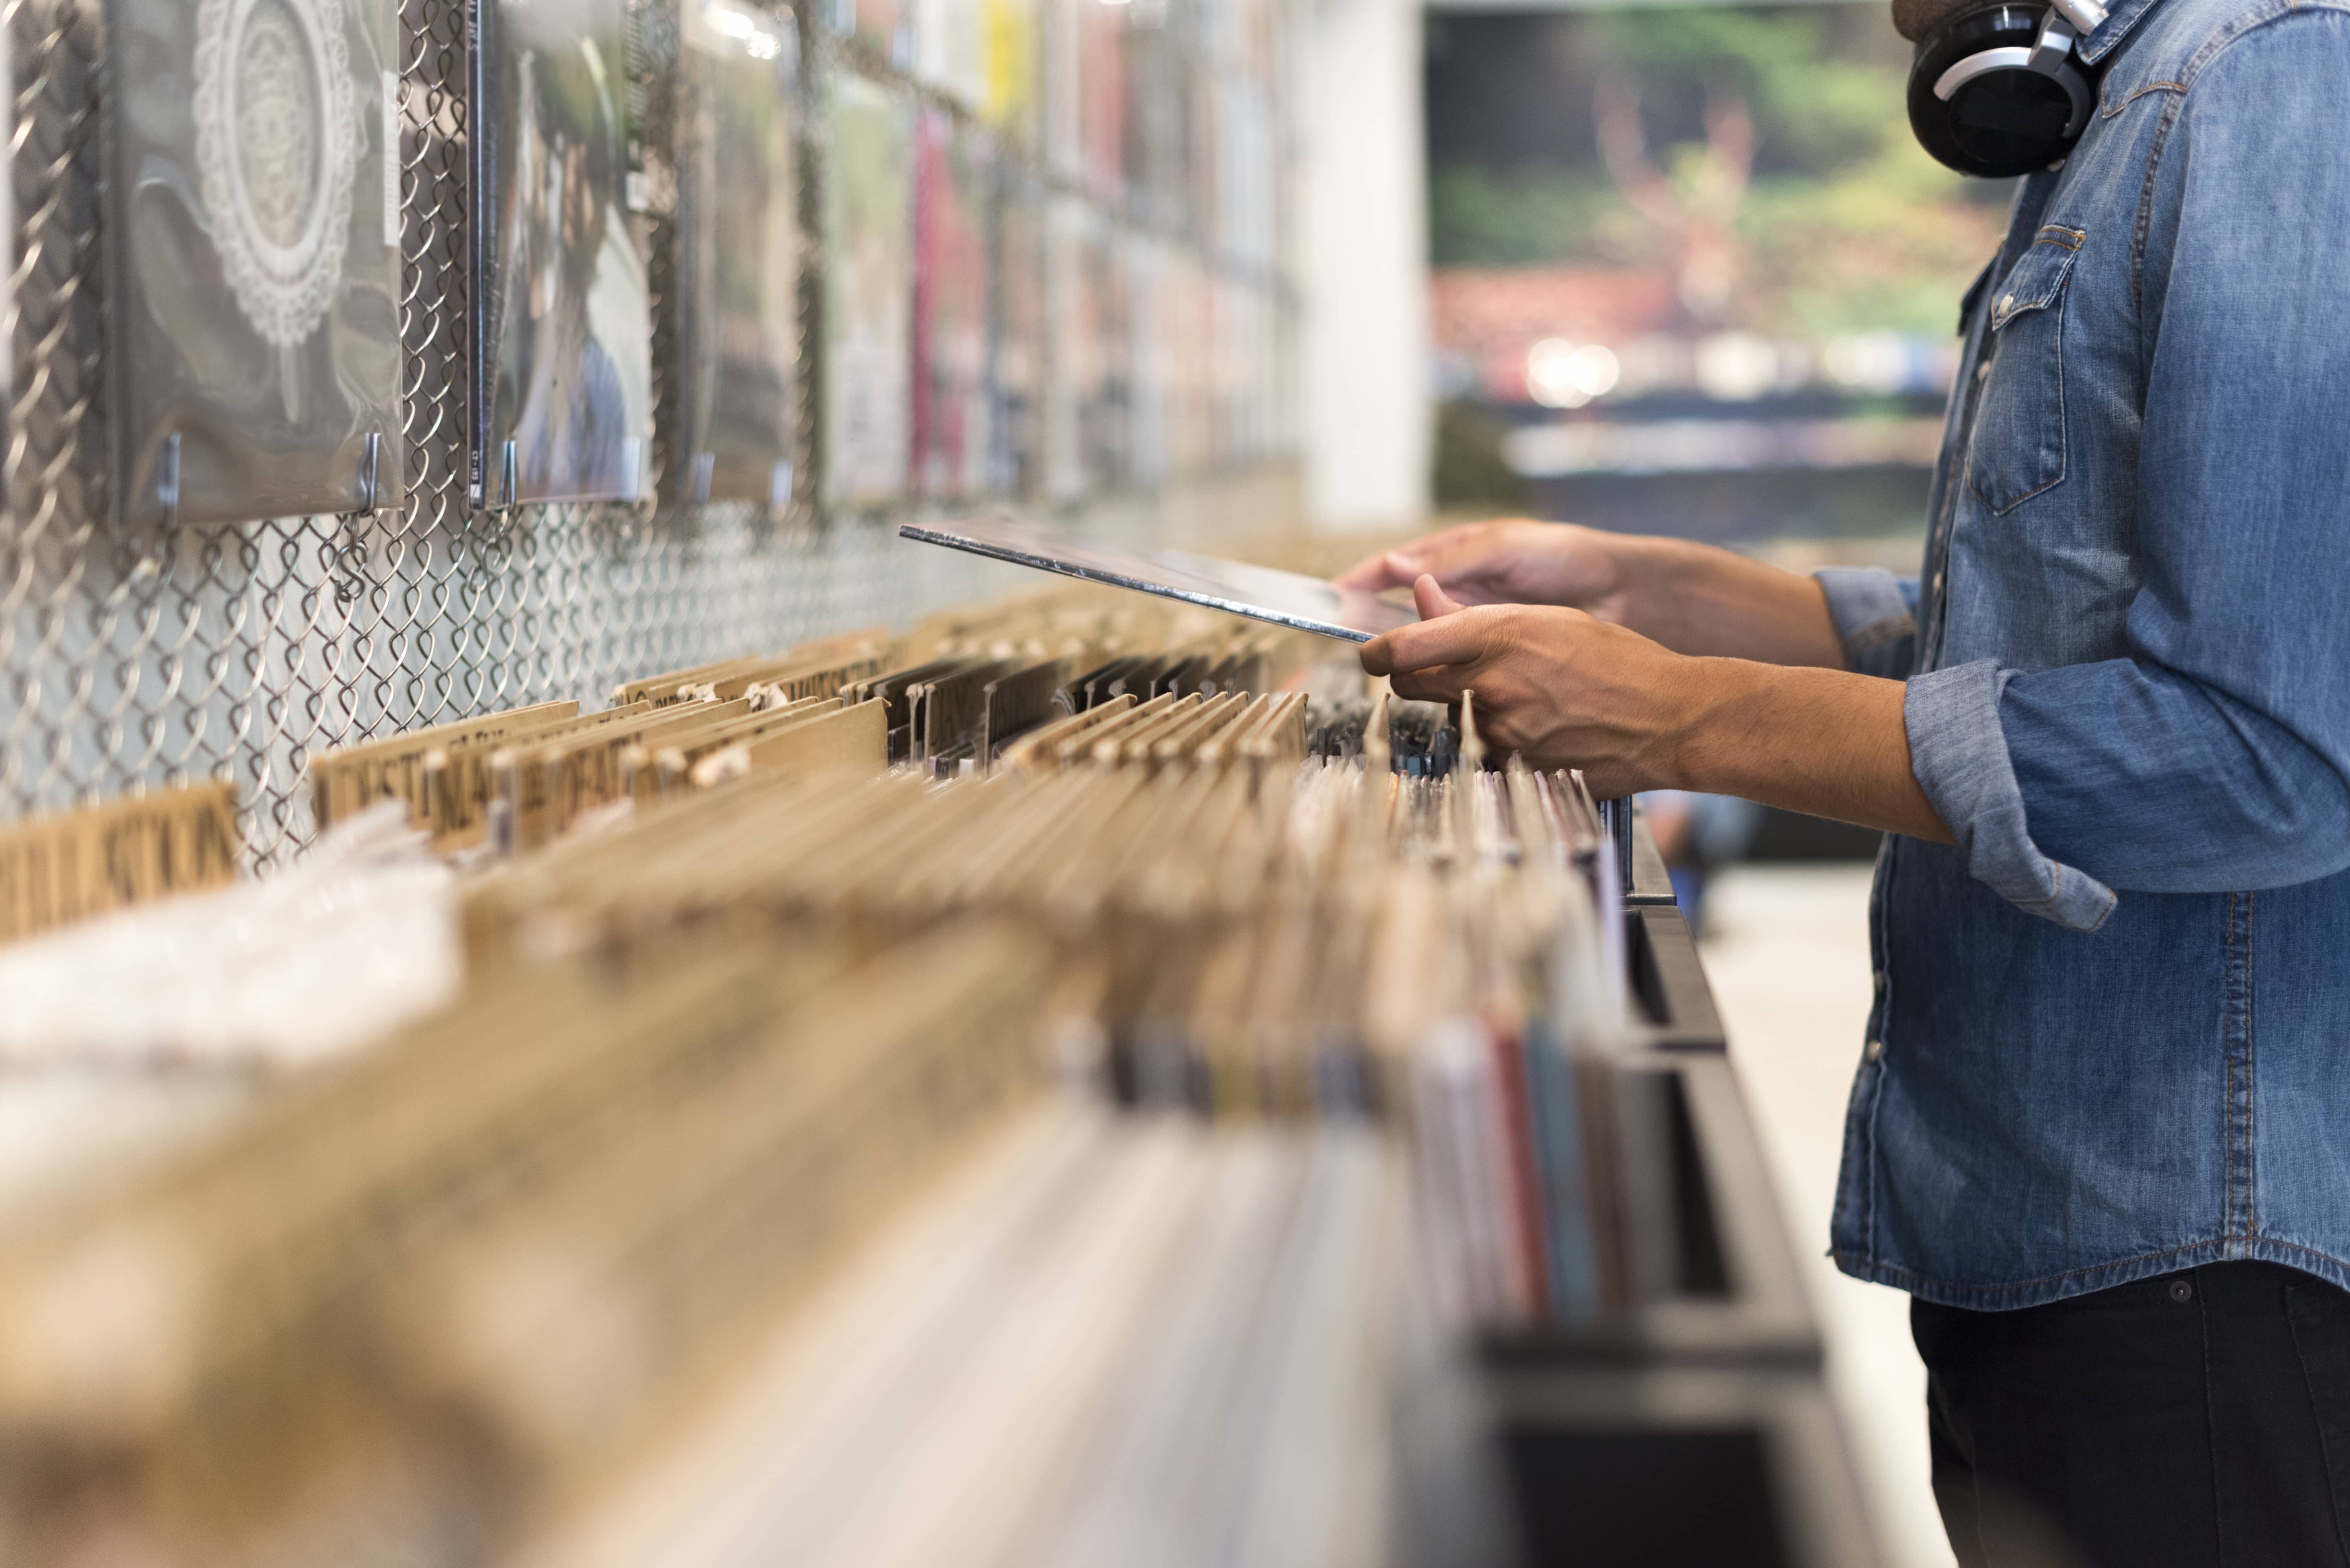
x,y
1825,742
1701,600
1562,688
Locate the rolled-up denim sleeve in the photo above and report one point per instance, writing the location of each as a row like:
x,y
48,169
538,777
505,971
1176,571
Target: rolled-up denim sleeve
x,y
1958,750
1876,617
2216,755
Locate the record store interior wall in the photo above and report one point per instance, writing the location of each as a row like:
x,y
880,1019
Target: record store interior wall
x,y
645,376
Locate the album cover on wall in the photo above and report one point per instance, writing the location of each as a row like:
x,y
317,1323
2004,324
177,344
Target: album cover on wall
x,y
1238,371
252,230
1102,108
884,26
952,176
1071,357
1016,335
950,48
735,411
1089,390
1189,312
1246,211
1280,378
1061,105
8,245
869,292
1149,362
562,325
1111,406
1010,56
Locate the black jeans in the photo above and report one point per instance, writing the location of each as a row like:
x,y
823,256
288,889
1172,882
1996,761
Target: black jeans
x,y
2202,1417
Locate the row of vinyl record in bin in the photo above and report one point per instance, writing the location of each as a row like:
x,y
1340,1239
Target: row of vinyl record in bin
x,y
1187,1108
585,256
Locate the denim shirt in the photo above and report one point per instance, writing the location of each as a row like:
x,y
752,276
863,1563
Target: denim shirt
x,y
2111,1034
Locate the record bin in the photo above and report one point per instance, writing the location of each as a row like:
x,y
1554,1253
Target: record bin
x,y
1679,1466
1692,1425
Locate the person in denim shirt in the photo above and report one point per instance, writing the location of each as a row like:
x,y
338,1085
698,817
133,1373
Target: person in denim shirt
x,y
2101,1126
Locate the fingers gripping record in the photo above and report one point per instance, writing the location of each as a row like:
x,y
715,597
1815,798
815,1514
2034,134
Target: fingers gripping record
x,y
1434,659
1510,561
1555,685
1440,657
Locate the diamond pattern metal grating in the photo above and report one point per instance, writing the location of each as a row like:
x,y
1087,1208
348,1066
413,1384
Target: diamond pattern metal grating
x,y
239,652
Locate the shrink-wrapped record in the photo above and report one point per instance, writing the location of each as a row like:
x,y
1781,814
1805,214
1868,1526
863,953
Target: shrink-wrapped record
x,y
1016,336
869,292
952,176
736,376
562,325
254,230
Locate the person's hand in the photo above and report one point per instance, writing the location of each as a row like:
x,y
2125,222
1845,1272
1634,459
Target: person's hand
x,y
1560,687
1565,689
1697,599
1512,562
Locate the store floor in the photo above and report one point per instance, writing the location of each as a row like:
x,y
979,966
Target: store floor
x,y
1787,949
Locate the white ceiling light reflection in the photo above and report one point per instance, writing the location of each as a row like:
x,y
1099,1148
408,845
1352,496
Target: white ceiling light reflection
x,y
1870,361
1736,367
1563,375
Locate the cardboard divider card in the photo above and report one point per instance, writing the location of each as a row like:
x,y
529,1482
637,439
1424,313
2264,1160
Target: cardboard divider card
x,y
1133,744
1088,743
460,778
349,779
654,771
849,649
573,773
846,738
55,870
1040,748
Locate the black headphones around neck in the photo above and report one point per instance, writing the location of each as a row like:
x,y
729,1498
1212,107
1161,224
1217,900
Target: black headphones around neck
x,y
1999,90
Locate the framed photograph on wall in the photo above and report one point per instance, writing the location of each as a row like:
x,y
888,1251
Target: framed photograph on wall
x,y
252,247
734,415
562,325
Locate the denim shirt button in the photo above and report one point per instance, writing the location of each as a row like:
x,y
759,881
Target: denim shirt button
x,y
1873,1050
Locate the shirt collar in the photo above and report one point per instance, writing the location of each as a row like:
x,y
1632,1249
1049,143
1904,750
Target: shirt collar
x,y
2113,29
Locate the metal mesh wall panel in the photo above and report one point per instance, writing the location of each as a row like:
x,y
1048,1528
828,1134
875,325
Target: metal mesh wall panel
x,y
240,651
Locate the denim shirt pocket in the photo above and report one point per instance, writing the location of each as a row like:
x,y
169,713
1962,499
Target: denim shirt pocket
x,y
2018,447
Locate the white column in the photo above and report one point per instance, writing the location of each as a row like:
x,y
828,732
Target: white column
x,y
1363,263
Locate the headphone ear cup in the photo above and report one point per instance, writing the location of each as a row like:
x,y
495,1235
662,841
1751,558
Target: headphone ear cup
x,y
2001,119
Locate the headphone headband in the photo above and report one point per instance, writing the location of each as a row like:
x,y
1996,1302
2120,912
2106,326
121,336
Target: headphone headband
x,y
1998,90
